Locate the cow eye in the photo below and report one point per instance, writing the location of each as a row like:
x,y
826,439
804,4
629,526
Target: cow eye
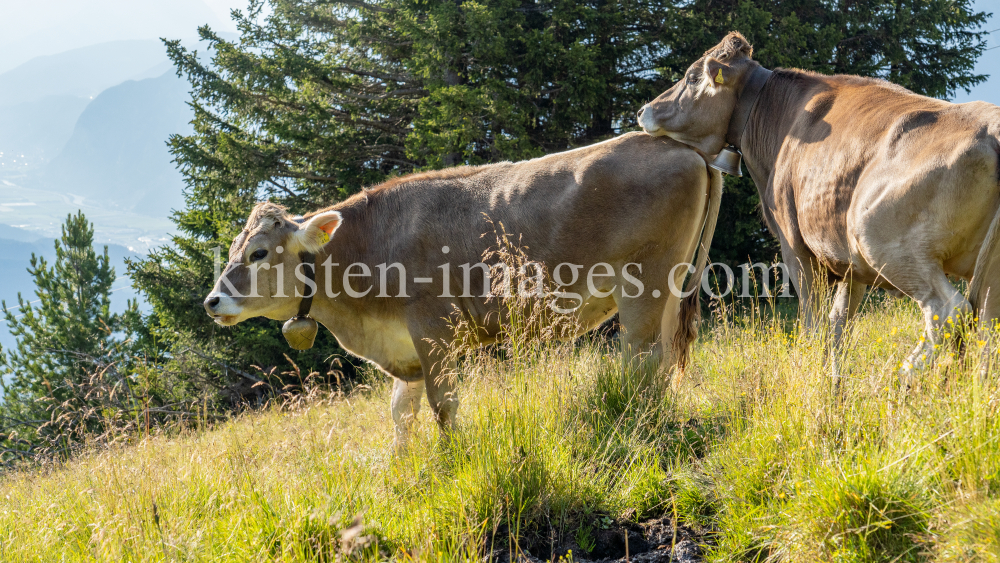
x,y
692,78
258,254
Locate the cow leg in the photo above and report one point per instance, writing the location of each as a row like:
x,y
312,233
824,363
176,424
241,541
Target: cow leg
x,y
640,318
443,398
439,374
846,301
650,320
939,301
988,321
801,268
405,406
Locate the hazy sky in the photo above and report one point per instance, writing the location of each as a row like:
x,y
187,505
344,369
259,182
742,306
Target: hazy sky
x,y
45,27
989,62
29,28
222,8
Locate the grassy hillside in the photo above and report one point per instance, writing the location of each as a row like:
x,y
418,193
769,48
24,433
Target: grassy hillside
x,y
562,448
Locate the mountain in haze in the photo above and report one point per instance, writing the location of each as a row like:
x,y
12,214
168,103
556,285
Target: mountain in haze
x,y
30,29
117,153
33,132
81,73
41,100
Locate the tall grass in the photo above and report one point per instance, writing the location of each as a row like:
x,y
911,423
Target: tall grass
x,y
756,451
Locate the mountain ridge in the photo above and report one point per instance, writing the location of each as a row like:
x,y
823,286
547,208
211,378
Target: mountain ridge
x,y
117,153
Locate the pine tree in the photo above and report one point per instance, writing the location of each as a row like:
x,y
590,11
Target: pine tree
x,y
323,97
71,327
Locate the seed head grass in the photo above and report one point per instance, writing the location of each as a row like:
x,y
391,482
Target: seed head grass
x,y
757,451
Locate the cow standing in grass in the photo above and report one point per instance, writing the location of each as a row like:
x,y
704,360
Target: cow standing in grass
x,y
863,181
639,204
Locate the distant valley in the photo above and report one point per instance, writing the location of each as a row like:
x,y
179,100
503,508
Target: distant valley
x,y
86,130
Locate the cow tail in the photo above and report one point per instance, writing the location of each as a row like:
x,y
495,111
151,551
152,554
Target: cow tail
x,y
987,269
690,310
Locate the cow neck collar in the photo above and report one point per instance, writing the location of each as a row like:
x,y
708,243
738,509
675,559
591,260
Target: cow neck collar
x,y
745,102
309,259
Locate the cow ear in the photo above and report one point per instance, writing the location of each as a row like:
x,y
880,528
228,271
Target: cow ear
x,y
719,73
315,233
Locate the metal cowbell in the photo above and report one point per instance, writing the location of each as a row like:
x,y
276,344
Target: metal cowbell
x,y
728,162
300,332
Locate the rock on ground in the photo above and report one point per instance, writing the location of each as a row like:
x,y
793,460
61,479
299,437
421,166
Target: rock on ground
x,y
653,541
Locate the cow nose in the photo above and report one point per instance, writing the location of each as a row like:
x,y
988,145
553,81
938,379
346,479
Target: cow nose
x,y
638,114
212,302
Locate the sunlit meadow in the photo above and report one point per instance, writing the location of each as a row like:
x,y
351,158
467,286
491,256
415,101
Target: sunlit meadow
x,y
756,452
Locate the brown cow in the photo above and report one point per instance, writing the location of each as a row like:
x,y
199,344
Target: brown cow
x,y
639,204
861,180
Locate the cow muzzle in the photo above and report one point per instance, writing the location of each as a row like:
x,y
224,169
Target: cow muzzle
x,y
222,308
646,121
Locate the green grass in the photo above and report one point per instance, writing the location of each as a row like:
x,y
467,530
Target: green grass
x,y
756,451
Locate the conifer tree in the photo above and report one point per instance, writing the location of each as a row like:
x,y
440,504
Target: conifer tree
x,y
323,97
67,329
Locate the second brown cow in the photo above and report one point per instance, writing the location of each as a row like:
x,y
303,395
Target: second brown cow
x,y
863,182
389,261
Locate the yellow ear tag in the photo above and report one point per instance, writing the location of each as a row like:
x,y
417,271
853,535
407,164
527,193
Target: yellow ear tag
x,y
719,79
324,237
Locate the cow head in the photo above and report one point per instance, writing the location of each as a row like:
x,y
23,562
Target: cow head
x,y
696,110
260,277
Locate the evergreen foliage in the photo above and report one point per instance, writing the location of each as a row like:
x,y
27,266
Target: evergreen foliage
x,y
322,97
68,334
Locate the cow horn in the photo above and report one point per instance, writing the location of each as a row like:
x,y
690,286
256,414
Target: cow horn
x,y
728,162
